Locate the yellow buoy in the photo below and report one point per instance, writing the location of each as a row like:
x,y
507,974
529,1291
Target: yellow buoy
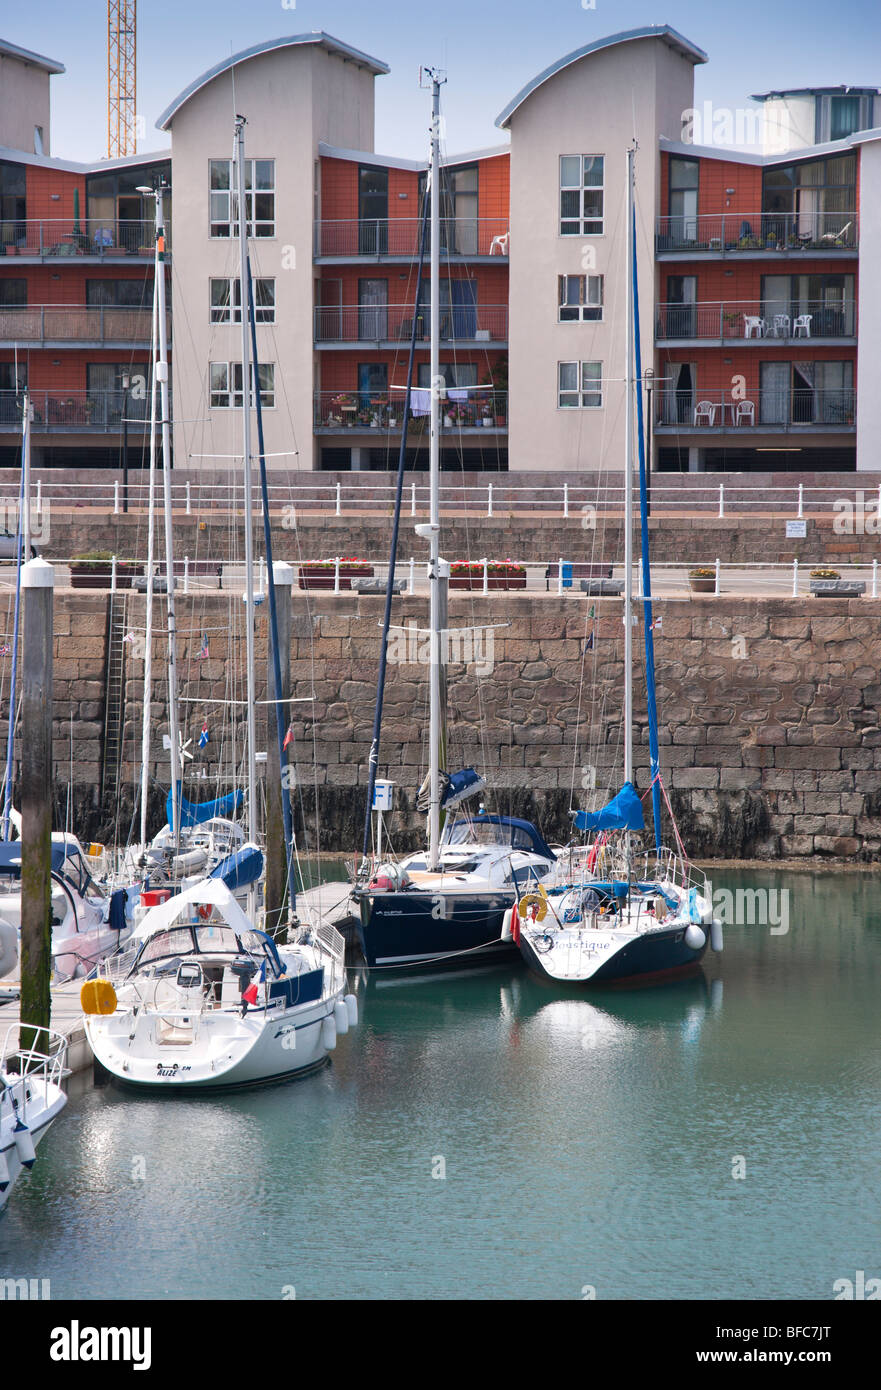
x,y
95,851
537,900
98,997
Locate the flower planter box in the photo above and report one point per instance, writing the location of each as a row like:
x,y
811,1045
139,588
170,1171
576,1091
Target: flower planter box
x,y
702,586
324,576
98,574
497,579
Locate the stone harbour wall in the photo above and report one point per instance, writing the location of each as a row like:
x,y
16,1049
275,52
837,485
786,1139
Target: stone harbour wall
x,y
769,726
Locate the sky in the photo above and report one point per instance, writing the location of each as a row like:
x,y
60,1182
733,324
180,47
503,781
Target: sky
x,y
488,48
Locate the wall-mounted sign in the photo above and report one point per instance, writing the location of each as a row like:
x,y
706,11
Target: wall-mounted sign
x,y
795,529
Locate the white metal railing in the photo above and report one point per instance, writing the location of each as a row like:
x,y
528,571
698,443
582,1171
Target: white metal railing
x,y
42,1060
583,502
551,576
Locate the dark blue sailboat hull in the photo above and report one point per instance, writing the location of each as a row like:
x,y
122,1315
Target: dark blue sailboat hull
x,y
406,928
651,956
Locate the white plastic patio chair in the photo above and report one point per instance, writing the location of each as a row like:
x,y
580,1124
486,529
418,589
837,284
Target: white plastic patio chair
x,y
782,326
752,323
802,326
705,413
745,413
500,244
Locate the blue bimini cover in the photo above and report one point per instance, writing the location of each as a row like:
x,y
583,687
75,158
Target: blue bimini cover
x,y
623,812
192,813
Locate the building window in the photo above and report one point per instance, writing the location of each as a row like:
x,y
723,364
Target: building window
x,y
580,298
259,197
225,385
580,385
837,117
581,195
13,292
226,290
120,294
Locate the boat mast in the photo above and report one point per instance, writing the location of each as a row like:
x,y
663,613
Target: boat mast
x,y
249,505
161,374
435,734
628,495
148,613
23,509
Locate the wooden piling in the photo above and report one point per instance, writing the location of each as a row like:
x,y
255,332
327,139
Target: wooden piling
x,y
37,583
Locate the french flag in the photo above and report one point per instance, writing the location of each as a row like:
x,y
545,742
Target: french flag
x,y
250,994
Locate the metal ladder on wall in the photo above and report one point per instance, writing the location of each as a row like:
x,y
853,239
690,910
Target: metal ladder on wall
x,y
114,694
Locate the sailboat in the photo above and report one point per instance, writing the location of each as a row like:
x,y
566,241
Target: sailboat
x,y
31,1098
199,839
623,915
446,903
206,999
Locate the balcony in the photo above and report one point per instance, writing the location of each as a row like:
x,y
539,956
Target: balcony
x,y
759,234
339,412
94,239
752,321
389,325
50,325
390,239
83,412
767,412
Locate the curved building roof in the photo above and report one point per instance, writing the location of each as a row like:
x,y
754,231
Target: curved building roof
x,y
353,55
36,60
651,31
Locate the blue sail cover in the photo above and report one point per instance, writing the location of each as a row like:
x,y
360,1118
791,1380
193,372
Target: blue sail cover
x,y
192,813
240,869
623,812
462,786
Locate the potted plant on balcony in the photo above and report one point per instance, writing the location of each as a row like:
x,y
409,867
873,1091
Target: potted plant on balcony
x,y
497,378
93,569
702,580
500,574
321,574
345,406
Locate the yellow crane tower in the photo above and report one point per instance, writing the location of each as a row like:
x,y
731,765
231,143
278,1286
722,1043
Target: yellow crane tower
x,y
121,78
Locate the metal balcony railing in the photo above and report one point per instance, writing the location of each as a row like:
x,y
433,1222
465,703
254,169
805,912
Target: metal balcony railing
x,y
78,236
750,320
376,323
775,409
48,323
729,233
342,410
399,236
103,412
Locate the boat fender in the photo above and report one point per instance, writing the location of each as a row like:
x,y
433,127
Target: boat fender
x,y
533,900
190,860
5,1175
341,1018
25,1144
351,1004
695,938
507,933
98,997
328,1033
8,948
716,934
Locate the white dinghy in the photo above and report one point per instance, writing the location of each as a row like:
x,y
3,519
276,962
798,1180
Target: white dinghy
x,y
205,1000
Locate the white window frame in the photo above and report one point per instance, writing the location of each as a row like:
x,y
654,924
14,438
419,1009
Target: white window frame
x,y
583,223
587,391
226,205
589,308
226,394
230,311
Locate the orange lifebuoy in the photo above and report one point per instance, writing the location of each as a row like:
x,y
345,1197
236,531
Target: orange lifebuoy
x,y
205,910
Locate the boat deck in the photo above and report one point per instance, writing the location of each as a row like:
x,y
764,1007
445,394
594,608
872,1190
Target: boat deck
x,y
67,1018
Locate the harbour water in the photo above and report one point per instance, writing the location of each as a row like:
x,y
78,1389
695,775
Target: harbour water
x,y
486,1136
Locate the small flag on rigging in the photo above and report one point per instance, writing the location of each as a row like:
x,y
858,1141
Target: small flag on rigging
x,y
204,735
657,621
588,646
129,637
289,736
203,650
5,649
